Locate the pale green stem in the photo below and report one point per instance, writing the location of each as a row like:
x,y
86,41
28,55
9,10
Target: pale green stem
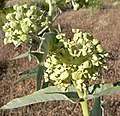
x,y
50,8
50,13
83,102
85,108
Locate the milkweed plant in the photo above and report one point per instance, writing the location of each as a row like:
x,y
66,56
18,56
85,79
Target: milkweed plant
x,y
66,63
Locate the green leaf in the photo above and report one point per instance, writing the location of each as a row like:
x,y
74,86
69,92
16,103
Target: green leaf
x,y
23,55
40,73
38,55
25,77
48,94
2,3
29,71
97,108
47,43
54,93
103,89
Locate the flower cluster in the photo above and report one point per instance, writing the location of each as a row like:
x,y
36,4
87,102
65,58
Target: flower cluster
x,y
77,61
23,21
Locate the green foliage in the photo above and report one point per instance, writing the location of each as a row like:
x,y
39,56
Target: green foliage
x,y
2,4
97,108
25,77
43,95
27,74
71,64
40,73
103,89
54,93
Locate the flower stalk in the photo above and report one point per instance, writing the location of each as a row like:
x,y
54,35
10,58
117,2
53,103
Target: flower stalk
x,y
85,108
50,13
83,103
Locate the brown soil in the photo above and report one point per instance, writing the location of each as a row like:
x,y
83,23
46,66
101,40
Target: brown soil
x,y
104,25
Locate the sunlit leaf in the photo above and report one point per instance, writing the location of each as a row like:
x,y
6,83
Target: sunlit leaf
x,y
54,93
103,90
48,94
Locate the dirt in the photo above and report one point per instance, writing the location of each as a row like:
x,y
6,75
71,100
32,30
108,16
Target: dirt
x,y
103,24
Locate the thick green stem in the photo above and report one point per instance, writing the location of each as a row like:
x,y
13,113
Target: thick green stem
x,y
85,108
83,102
50,8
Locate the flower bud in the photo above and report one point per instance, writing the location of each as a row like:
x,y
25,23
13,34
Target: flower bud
x,y
87,64
15,7
19,9
24,37
80,81
13,24
16,42
94,57
95,41
10,16
29,13
99,48
76,6
25,6
84,52
27,22
7,41
25,28
19,16
64,75
33,8
54,60
53,77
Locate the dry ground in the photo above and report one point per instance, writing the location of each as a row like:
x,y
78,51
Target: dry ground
x,y
104,25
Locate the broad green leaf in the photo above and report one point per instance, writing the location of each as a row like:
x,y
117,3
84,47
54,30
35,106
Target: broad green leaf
x,y
48,94
25,77
103,89
97,108
23,55
54,93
